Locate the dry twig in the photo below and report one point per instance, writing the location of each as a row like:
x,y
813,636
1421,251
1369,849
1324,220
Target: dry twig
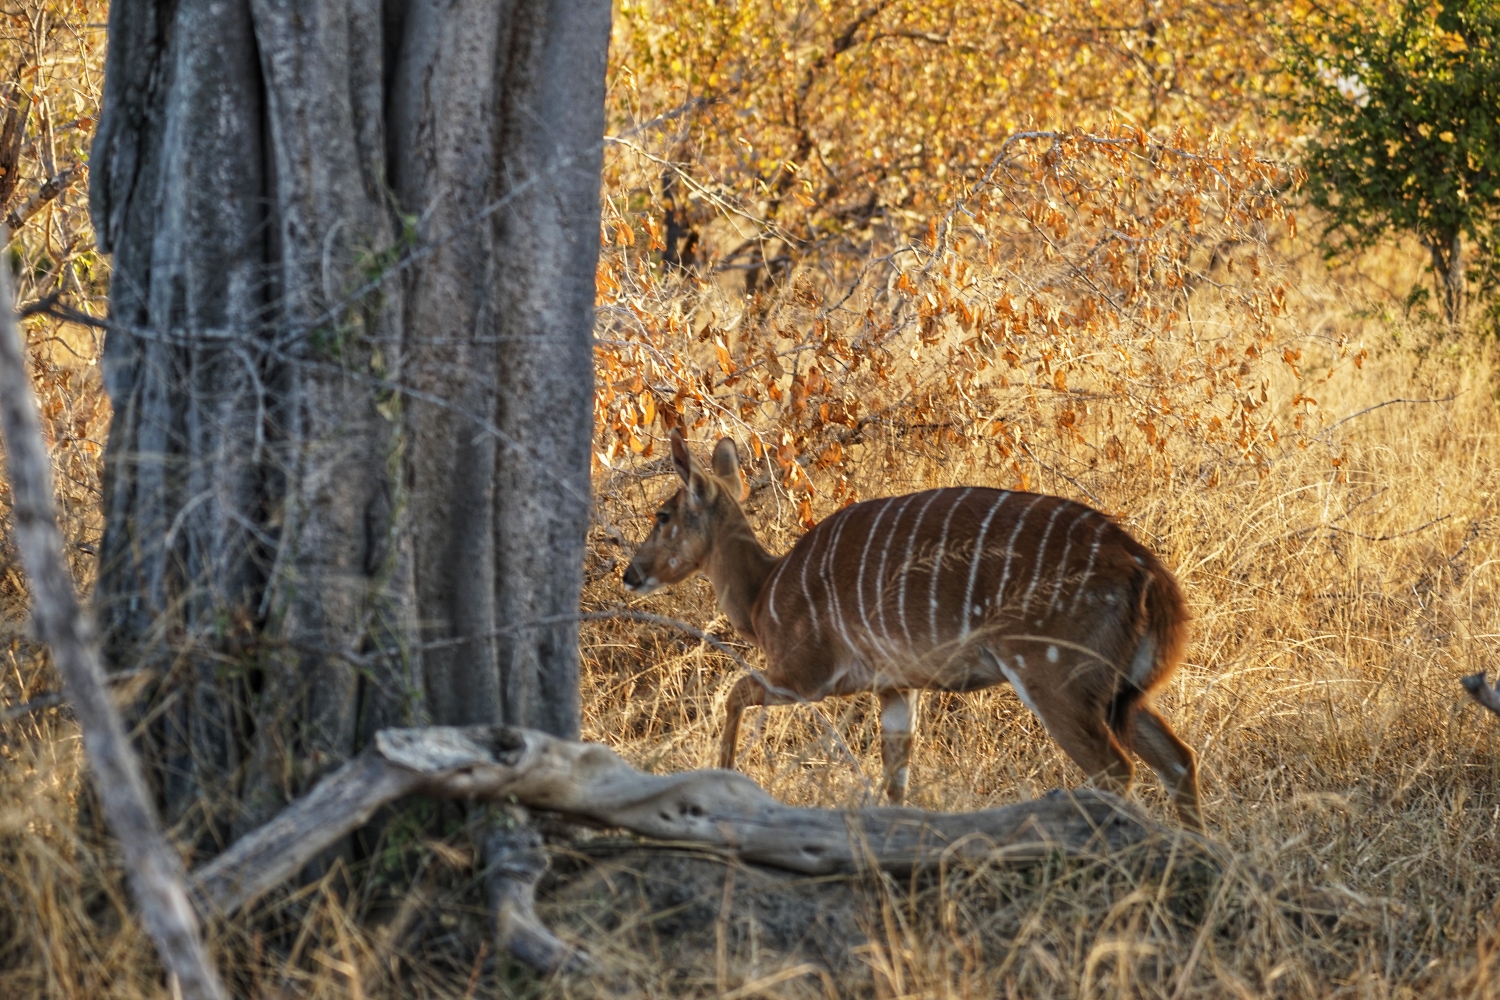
x,y
156,873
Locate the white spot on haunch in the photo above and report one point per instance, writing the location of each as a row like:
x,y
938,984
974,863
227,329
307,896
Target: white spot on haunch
x,y
1051,654
1144,661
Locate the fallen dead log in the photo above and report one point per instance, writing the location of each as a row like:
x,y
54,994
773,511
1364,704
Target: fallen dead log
x,y
589,783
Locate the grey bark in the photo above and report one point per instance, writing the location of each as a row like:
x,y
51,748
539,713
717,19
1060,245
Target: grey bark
x,y
354,245
157,879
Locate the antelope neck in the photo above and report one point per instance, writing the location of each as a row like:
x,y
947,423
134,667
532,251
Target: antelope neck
x,y
738,566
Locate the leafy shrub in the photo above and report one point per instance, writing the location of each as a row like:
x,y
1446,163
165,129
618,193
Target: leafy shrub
x,y
1403,101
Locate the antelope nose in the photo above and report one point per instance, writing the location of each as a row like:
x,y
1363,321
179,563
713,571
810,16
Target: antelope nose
x,y
632,577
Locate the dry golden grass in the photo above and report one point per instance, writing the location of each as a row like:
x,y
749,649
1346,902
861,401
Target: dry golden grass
x,y
1336,607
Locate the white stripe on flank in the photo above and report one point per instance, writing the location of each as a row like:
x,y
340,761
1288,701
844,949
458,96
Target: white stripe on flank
x,y
864,619
771,594
937,564
1010,552
807,600
1013,675
1088,570
911,540
830,585
880,575
1041,550
984,528
1062,563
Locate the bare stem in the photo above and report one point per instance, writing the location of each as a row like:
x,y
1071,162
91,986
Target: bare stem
x,y
156,872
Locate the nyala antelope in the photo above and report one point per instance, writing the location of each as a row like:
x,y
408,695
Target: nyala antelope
x,y
950,590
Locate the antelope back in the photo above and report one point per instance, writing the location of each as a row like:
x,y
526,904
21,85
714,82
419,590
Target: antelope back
x,y
909,591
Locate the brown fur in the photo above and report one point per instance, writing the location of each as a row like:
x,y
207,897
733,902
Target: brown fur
x,y
953,589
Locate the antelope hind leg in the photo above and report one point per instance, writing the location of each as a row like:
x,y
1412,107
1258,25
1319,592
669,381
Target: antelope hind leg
x,y
1080,729
898,714
1173,761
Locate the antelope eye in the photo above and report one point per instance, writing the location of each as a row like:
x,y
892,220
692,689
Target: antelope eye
x,y
662,517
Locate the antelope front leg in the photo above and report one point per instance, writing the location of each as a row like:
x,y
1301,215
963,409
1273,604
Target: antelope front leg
x,y
898,714
748,691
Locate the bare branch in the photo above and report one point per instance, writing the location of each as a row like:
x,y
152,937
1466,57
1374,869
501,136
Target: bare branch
x,y
156,874
1389,402
54,186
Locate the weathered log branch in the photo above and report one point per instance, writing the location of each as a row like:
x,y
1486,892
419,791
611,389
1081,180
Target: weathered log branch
x,y
156,874
515,861
588,782
1479,688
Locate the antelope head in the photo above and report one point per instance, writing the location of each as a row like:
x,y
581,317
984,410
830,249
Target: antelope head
x,y
682,539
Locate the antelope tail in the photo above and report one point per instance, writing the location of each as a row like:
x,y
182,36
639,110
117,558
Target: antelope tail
x,y
1161,618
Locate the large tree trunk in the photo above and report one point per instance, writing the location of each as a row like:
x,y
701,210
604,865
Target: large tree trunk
x,y
354,246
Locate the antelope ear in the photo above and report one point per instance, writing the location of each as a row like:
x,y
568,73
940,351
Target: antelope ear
x,y
726,465
699,488
680,456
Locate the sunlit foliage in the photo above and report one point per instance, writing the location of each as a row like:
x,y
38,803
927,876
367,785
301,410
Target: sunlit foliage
x,y
1401,102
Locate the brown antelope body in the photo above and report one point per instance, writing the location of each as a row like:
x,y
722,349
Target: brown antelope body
x,y
952,590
